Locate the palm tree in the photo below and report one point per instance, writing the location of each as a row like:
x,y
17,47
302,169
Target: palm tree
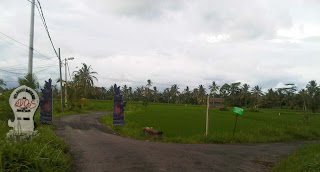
x,y
201,95
147,90
303,94
225,90
213,88
234,91
84,77
2,82
313,95
125,92
155,94
244,93
186,95
174,93
29,80
256,92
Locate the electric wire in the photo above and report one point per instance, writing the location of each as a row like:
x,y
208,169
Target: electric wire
x,y
46,27
24,45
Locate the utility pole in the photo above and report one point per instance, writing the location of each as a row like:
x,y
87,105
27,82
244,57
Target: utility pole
x,y
60,80
31,38
65,85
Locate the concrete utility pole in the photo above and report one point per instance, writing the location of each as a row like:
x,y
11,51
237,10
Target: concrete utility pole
x,y
31,38
60,80
65,86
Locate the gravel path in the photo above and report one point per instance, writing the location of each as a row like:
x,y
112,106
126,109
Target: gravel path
x,y
94,147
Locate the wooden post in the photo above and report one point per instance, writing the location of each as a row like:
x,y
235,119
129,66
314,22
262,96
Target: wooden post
x,y
207,118
235,124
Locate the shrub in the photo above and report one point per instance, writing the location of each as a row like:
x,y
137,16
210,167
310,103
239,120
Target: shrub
x,y
253,110
5,109
225,108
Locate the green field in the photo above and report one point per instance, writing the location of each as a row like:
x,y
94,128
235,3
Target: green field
x,y
186,123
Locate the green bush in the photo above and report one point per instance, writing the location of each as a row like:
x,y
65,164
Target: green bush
x,y
225,108
253,110
5,109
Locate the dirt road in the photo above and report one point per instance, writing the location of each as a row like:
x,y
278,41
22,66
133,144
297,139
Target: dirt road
x,y
94,147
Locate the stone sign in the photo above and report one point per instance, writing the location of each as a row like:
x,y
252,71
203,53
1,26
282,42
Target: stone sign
x,y
118,107
24,102
46,103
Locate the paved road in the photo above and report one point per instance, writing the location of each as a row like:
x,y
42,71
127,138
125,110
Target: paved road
x,y
94,147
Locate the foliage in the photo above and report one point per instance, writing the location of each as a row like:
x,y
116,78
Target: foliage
x,y
145,102
46,152
29,80
5,109
306,158
224,108
253,110
83,80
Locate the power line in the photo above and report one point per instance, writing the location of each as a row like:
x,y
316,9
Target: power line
x,y
24,45
16,73
46,27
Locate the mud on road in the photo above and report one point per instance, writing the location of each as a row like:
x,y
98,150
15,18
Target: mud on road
x,y
94,148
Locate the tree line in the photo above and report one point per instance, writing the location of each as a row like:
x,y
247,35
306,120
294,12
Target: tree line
x,y
235,94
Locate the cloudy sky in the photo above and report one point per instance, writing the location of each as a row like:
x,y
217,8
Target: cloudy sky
x,y
267,43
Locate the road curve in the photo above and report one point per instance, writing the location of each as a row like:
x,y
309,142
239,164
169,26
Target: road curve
x,y
95,148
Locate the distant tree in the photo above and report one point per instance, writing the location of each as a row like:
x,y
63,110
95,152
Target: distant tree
x,y
213,88
256,93
201,95
235,92
313,95
125,92
2,82
130,92
245,93
186,95
29,80
174,93
84,78
148,90
225,90
155,94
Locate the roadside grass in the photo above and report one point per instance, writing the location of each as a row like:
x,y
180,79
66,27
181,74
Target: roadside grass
x,y
306,158
186,124
45,152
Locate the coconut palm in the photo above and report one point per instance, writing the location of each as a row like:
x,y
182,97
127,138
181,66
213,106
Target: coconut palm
x,y
313,95
29,80
148,90
256,93
155,94
201,94
245,93
2,82
225,90
213,88
84,78
234,91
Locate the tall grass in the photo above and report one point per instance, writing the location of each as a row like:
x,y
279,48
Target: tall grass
x,y
306,158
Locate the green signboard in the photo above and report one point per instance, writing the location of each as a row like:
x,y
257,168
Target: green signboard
x,y
238,110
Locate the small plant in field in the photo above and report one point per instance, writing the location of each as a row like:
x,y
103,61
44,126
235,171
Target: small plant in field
x,y
253,110
225,108
145,102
